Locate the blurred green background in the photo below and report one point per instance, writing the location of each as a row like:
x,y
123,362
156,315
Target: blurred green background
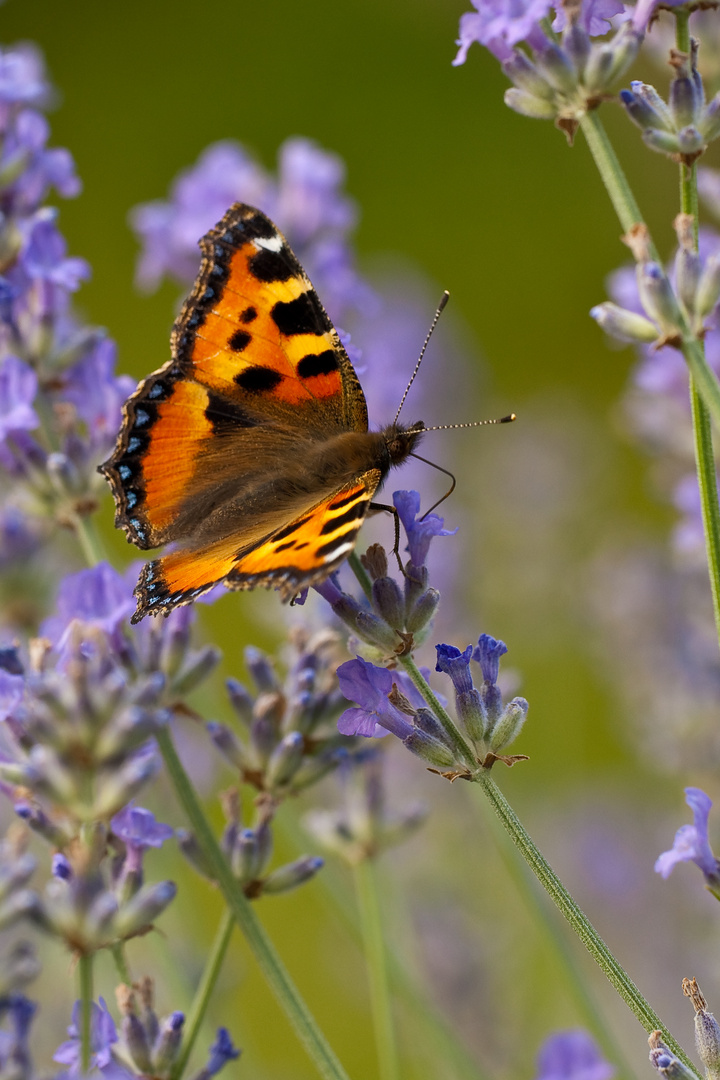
x,y
497,209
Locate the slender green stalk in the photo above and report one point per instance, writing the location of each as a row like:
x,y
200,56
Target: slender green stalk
x,y
590,938
89,540
268,960
376,961
360,573
462,749
204,991
85,972
118,954
702,431
531,896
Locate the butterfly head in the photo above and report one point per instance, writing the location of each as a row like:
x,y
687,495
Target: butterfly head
x,y
401,441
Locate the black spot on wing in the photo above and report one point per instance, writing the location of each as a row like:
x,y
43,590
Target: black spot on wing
x,y
270,266
258,380
318,364
239,340
248,315
225,416
302,315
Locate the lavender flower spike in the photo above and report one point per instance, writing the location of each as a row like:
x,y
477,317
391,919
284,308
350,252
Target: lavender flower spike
x,y
691,843
572,1055
369,686
419,531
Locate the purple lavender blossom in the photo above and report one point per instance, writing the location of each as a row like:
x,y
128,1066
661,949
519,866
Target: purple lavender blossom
x,y
572,1055
645,9
22,76
369,686
18,390
221,1052
139,830
456,664
487,653
61,866
419,531
691,842
14,1044
103,1035
594,18
500,24
306,201
99,597
12,691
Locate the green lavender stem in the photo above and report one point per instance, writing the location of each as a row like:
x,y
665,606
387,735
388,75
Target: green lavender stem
x,y
85,972
702,431
629,214
268,960
204,991
376,962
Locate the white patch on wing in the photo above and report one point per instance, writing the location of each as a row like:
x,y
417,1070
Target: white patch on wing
x,y
271,243
342,550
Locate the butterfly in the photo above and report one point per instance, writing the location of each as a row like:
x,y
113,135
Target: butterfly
x,y
249,449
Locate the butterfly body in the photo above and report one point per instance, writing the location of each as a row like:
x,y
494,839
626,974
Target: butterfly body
x,y
250,448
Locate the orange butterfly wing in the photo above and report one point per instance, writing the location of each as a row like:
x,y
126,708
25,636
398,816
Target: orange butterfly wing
x,y
250,446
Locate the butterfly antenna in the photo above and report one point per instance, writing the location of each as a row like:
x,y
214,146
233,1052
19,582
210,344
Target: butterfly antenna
x,y
439,468
475,423
438,313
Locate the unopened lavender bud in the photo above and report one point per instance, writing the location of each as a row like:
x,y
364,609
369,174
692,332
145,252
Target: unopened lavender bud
x,y
426,721
429,749
21,966
144,908
148,689
657,296
12,772
684,103
40,822
471,710
657,113
509,724
125,732
52,778
524,75
313,769
529,105
15,872
554,64
197,669
624,325
623,48
241,700
285,760
376,631
99,917
709,123
708,291
707,1031
137,1043
598,69
228,744
21,904
168,1043
261,670
263,736
577,45
690,141
293,874
121,785
687,276
63,474
665,142
423,611
389,602
245,860
194,854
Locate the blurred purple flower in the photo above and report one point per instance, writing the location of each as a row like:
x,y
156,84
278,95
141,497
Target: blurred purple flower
x,y
103,1035
645,9
594,18
306,202
139,830
18,389
368,686
99,597
221,1052
691,842
500,24
40,169
44,255
12,692
20,536
14,1044
22,76
97,393
572,1055
420,531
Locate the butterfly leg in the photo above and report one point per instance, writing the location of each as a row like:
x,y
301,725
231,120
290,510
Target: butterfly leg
x,y
376,508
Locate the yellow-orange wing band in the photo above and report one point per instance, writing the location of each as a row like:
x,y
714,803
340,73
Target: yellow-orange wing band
x,y
302,553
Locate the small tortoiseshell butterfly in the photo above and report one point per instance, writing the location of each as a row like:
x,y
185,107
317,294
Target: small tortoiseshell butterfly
x,y
250,448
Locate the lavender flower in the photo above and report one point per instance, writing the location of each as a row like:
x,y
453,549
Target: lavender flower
x,y
572,1055
15,1056
306,201
221,1051
103,1036
691,843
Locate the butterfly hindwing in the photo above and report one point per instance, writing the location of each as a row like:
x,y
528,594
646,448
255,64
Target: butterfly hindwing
x,y
294,556
254,354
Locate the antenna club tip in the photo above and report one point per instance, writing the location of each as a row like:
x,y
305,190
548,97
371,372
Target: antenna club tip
x,y
443,300
509,418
